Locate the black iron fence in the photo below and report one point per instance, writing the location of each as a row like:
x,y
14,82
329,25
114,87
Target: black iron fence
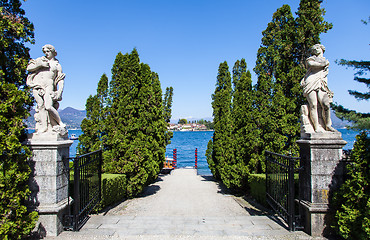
x,y
280,187
84,188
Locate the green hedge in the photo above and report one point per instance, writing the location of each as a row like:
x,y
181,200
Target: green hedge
x,y
257,187
113,189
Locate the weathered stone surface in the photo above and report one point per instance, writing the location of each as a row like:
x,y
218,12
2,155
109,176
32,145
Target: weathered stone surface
x,y
321,155
49,183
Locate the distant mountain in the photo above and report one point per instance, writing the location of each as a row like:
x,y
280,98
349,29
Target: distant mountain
x,y
337,123
70,116
73,118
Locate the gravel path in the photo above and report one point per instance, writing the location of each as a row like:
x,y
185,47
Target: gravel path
x,y
182,205
182,193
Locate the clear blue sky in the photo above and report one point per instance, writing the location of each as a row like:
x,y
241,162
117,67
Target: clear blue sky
x,y
184,42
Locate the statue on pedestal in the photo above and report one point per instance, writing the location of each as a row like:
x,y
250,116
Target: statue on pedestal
x,y
316,115
46,80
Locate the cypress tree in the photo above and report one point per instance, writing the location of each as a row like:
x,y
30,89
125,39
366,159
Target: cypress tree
x,y
223,163
136,130
280,67
274,61
93,126
309,25
243,115
15,103
167,104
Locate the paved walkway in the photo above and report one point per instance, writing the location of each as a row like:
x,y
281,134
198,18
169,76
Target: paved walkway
x,y
183,205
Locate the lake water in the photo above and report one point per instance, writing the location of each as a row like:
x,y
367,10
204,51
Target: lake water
x,y
187,142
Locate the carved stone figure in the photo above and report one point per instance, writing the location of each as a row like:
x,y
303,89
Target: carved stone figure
x,y
46,80
316,90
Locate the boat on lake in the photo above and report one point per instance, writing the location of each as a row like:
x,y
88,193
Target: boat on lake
x,y
168,166
73,137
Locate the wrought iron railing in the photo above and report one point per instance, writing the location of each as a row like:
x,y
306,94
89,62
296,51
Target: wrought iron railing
x,y
280,192
84,188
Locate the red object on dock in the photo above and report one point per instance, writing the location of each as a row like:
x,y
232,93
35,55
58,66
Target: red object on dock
x,y
174,158
196,158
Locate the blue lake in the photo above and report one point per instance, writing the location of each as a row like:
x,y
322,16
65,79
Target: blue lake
x,y
187,142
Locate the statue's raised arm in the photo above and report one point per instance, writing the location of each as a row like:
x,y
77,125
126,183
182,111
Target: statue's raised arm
x,y
46,79
316,116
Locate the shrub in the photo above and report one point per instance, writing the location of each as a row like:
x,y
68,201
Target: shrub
x,y
352,201
113,190
257,187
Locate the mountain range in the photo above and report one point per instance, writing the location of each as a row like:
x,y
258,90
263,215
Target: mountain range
x,y
73,118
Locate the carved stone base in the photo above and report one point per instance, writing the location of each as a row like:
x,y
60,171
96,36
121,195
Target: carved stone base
x,y
315,215
49,183
51,218
321,155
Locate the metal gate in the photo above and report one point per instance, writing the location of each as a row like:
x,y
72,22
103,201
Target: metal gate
x,y
280,192
84,188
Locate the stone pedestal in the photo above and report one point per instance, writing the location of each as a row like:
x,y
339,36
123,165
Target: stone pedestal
x,y
49,183
321,155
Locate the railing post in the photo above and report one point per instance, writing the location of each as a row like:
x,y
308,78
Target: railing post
x,y
196,158
99,171
174,158
291,194
76,193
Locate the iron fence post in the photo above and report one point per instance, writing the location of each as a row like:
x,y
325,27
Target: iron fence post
x,y
291,194
99,171
76,193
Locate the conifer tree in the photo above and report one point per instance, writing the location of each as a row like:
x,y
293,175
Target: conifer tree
x,y
310,24
223,163
352,200
280,67
243,115
15,103
93,126
274,62
361,121
135,125
167,103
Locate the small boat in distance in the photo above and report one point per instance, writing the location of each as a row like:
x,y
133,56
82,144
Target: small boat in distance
x,y
73,137
168,165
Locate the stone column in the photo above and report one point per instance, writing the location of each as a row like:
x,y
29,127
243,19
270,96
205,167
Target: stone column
x,y
321,155
49,183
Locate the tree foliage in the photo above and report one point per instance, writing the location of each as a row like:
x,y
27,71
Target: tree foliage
x,y
278,93
15,103
167,103
183,121
353,198
93,126
243,115
127,119
280,66
360,121
249,120
221,158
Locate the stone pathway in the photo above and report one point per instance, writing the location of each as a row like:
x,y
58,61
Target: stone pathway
x,y
183,205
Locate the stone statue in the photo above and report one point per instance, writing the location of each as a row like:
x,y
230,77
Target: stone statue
x,y
316,116
46,80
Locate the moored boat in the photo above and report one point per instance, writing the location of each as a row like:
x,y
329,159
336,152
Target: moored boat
x,y
73,137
